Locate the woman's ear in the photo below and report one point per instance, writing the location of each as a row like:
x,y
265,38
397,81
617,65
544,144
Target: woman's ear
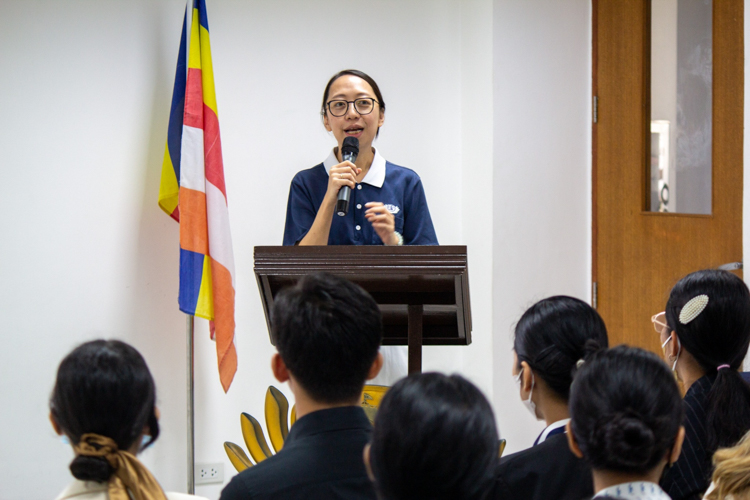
x,y
672,347
325,122
527,378
572,443
55,425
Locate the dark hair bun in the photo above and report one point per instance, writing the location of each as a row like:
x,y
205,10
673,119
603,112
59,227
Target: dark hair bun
x,y
91,469
591,347
627,440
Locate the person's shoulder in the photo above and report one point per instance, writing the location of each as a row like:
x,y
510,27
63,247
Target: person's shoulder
x,y
548,467
393,169
554,442
310,174
260,479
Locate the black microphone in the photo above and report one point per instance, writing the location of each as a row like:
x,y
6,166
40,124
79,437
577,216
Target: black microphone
x,y
349,152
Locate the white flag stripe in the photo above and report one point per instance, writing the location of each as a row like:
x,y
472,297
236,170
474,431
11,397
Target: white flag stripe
x,y
219,235
192,163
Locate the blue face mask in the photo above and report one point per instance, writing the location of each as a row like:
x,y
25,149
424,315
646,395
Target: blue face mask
x,y
144,440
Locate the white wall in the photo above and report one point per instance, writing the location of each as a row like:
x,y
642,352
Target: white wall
x,y
84,101
542,181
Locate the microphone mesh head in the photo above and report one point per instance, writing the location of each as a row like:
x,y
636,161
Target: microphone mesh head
x,y
350,145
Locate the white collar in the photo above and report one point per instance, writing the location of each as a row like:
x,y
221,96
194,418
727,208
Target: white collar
x,y
551,427
79,487
375,176
637,490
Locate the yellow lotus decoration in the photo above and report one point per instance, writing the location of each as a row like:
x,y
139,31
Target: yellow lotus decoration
x,y
278,422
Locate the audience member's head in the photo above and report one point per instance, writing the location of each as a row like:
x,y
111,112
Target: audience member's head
x,y
328,333
104,391
708,312
731,476
551,338
626,414
434,438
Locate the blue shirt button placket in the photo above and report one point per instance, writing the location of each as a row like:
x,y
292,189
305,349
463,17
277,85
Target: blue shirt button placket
x,y
358,217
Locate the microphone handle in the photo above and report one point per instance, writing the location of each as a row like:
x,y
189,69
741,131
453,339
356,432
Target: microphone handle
x,y
342,202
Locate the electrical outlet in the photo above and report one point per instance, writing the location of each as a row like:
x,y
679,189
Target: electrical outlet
x,y
209,473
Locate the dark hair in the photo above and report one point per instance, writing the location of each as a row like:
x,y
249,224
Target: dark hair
x,y
435,437
328,331
554,334
719,335
359,74
104,387
625,410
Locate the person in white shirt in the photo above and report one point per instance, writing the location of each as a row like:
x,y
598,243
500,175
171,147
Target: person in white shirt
x,y
626,422
104,404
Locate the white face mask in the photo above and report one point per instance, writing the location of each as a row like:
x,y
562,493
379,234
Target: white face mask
x,y
528,403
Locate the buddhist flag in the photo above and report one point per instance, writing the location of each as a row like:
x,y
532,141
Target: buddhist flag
x,y
193,192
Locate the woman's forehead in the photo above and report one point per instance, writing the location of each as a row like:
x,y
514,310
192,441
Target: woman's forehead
x,y
350,86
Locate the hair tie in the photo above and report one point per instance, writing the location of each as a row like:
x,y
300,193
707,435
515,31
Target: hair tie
x,y
721,367
693,308
130,479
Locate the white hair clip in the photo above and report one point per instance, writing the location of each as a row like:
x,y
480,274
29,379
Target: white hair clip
x,y
693,308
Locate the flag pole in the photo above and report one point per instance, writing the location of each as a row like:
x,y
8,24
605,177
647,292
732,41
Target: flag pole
x,y
190,406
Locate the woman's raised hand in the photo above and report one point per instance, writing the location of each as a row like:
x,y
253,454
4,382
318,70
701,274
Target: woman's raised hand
x,y
343,174
382,221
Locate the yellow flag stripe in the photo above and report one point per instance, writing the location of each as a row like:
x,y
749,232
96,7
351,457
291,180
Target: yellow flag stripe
x,y
205,305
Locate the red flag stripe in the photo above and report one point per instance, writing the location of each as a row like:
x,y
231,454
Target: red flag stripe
x,y
212,149
194,99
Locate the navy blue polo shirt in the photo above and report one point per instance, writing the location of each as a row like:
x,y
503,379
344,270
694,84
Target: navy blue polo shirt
x,y
398,188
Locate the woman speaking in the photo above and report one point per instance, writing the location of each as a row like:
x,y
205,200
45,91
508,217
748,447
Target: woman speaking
x,y
387,204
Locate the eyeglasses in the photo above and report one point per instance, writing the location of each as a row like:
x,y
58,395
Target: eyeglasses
x,y
660,322
363,106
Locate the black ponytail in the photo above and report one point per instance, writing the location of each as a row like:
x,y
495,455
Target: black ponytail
x,y
104,387
718,336
555,334
625,410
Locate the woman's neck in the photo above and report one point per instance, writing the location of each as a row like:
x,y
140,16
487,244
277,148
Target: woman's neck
x,y
550,406
604,478
688,370
364,160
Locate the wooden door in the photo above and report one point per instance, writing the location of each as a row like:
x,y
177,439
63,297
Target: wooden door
x,y
639,255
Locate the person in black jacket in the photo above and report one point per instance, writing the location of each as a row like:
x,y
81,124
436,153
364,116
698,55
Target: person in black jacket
x,y
705,332
552,338
327,331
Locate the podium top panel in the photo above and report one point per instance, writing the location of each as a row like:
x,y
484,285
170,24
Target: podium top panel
x,y
356,259
435,277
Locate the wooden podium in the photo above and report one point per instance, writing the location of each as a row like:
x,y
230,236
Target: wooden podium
x,y
422,291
